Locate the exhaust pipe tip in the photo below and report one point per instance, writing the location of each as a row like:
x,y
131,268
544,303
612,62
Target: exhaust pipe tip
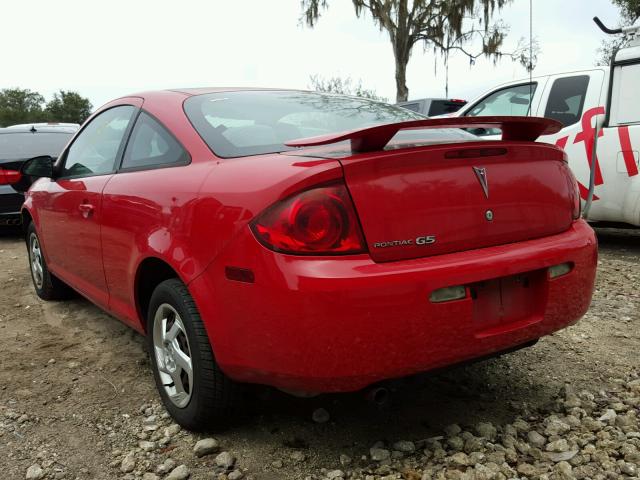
x,y
11,222
379,396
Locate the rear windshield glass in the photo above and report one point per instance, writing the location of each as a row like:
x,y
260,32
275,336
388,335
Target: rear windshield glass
x,y
441,107
414,107
15,146
236,124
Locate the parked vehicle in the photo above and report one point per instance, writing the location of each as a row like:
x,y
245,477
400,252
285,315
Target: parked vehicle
x,y
73,126
602,100
434,107
16,146
320,264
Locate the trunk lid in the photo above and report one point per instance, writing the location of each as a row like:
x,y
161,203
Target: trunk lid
x,y
441,199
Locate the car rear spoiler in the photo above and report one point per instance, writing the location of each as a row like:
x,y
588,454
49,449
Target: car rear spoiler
x,y
524,129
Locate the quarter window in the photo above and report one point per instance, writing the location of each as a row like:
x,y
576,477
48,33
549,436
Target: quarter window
x,y
566,99
152,145
95,150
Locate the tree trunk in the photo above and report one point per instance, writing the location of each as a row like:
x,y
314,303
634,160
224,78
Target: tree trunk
x,y
402,92
401,54
402,43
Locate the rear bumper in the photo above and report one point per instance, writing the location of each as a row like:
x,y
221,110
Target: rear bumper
x,y
10,204
10,219
342,323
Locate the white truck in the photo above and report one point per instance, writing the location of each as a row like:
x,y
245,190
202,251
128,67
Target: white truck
x,y
600,111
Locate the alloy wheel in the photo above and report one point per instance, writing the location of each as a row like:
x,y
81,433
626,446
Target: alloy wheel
x,y
173,355
35,259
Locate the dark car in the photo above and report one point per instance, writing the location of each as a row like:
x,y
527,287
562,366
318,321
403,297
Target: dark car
x,y
16,146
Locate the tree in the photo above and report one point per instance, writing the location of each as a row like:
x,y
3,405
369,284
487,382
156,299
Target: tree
x,y
343,86
68,107
19,105
526,52
629,14
430,22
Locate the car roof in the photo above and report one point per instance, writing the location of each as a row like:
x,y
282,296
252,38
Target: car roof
x,y
46,124
206,90
191,92
33,130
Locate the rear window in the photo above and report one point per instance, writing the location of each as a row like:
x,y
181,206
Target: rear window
x,y
442,107
236,124
414,107
15,146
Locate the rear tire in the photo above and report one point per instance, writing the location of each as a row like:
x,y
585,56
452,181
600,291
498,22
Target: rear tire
x,y
47,286
197,394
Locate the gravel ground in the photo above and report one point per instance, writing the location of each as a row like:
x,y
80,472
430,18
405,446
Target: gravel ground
x,y
77,401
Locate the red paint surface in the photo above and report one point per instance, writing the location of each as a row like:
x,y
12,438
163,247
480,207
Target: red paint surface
x,y
419,192
329,323
340,324
584,193
562,142
627,151
587,136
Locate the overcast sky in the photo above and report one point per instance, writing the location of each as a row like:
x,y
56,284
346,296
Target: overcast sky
x,y
105,49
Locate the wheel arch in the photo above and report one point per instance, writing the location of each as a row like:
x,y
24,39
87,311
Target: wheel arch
x,y
27,219
151,272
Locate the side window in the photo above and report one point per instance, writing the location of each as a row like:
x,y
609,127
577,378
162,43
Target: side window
x,y
152,145
508,101
566,99
625,102
95,149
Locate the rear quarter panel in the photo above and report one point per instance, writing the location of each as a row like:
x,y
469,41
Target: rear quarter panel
x,y
187,215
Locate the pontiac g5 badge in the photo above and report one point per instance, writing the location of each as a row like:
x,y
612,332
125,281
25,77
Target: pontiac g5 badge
x,y
481,173
424,240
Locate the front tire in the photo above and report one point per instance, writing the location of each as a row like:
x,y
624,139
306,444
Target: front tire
x,y
47,286
197,394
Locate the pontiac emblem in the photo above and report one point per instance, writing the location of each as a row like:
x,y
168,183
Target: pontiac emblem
x,y
481,173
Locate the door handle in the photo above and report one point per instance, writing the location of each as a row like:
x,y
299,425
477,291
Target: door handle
x,y
86,209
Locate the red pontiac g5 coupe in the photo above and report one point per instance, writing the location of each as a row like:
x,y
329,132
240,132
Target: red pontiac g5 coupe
x,y
311,242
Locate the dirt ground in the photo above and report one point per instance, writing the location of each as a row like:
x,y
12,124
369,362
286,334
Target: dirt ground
x,y
76,391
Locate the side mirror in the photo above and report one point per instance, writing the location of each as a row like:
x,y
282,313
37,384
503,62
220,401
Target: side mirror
x,y
519,101
38,167
32,169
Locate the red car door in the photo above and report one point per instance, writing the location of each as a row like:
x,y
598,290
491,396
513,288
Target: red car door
x,y
70,218
147,199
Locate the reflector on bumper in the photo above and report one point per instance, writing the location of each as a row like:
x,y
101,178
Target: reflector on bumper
x,y
559,270
448,293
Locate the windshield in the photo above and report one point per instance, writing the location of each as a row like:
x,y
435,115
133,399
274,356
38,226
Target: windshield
x,y
236,124
15,146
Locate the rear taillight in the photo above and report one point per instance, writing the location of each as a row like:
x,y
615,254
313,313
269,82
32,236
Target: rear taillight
x,y
577,204
9,177
320,221
574,192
